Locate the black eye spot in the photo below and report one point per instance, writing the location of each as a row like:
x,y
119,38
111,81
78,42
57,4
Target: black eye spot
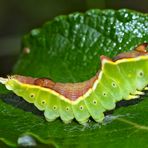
x,y
32,95
104,94
43,102
94,101
54,107
114,84
141,74
81,107
67,108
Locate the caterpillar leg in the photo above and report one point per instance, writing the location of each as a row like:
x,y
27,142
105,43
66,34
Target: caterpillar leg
x,y
80,112
65,111
94,107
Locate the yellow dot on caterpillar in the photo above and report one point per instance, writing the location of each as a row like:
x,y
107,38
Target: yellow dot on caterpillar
x,y
54,107
95,102
32,95
81,107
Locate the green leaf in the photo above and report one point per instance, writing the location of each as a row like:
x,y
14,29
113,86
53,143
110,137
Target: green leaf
x,y
127,127
67,49
3,90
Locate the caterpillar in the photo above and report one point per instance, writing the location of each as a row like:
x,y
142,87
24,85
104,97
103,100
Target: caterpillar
x,y
123,77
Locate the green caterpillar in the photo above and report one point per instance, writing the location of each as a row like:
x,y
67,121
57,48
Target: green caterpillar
x,y
122,78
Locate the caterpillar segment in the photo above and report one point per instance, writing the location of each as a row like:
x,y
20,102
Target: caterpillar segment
x,y
123,78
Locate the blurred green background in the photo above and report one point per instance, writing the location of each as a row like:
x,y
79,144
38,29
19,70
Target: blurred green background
x,y
20,16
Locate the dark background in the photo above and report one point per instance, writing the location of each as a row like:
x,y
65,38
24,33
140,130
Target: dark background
x,y
20,16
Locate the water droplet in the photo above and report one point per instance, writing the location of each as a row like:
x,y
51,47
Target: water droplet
x,y
77,26
26,141
134,17
83,39
120,48
126,15
35,32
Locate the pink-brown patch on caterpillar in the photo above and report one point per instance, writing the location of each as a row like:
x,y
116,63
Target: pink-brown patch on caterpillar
x,y
138,51
71,91
24,79
142,47
102,57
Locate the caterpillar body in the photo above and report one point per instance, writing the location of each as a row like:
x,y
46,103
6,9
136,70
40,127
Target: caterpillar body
x,y
124,77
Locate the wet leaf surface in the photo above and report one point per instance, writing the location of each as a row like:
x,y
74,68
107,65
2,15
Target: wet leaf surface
x,y
126,127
